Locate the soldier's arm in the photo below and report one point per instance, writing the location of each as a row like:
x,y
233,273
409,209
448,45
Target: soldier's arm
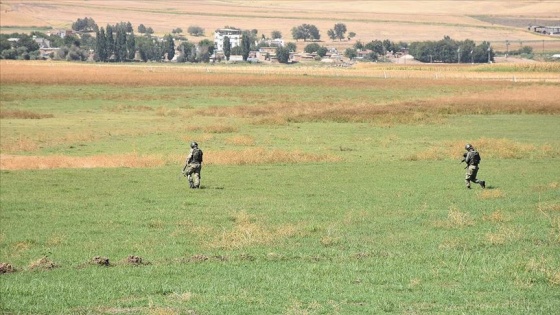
x,y
468,158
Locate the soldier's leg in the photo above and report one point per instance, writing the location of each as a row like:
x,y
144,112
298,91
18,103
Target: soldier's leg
x,y
190,172
476,180
191,181
196,175
469,176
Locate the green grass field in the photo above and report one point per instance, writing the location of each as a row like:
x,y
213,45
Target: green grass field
x,y
311,201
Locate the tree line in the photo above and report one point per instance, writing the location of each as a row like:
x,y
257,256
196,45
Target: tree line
x,y
119,43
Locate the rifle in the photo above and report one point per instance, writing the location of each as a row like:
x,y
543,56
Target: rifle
x,y
464,159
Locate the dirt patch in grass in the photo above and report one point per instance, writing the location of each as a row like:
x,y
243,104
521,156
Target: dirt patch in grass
x,y
22,114
6,268
43,263
101,261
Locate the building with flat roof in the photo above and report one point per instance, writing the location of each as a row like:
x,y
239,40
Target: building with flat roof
x,y
234,36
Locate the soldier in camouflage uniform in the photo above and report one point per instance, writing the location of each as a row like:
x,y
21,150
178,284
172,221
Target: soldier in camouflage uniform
x,y
193,165
472,158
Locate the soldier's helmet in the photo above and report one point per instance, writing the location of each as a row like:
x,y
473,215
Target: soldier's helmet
x,y
468,146
194,145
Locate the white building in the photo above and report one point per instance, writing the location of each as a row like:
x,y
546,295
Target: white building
x,y
234,36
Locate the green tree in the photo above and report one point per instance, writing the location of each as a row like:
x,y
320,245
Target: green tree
x,y
311,48
169,46
340,30
305,32
187,52
237,50
110,46
205,50
351,53
245,45
101,45
322,51
85,25
291,47
4,43
389,45
227,47
141,29
120,42
195,30
283,54
375,46
276,35
331,34
131,45
149,49
358,45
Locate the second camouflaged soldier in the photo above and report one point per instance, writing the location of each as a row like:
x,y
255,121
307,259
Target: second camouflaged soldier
x,y
472,158
193,166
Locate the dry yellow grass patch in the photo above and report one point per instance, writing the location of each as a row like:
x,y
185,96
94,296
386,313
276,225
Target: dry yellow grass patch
x,y
548,206
247,231
263,156
456,219
543,266
503,235
133,160
488,148
241,140
490,194
496,216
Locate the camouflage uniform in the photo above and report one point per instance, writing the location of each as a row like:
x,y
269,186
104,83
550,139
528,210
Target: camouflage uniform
x,y
193,165
472,158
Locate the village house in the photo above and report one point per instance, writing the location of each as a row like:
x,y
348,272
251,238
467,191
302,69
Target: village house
x,y
234,36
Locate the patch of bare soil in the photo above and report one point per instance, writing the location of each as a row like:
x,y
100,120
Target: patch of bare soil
x,y
136,260
6,268
43,264
101,261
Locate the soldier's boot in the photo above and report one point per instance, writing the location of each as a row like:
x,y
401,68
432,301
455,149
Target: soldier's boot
x,y
482,184
468,184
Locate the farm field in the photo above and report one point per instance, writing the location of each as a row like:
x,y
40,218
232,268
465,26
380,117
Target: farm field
x,y
407,21
325,190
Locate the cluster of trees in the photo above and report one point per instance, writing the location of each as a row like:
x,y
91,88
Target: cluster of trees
x,y
23,46
117,43
311,32
376,49
448,50
85,25
339,32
